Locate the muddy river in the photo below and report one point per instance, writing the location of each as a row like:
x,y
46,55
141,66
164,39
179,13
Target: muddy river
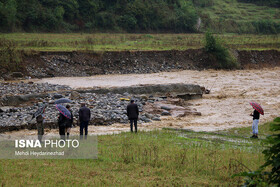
x,y
226,106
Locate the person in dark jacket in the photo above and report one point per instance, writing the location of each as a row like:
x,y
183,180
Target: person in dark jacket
x,y
84,117
69,122
256,118
62,120
40,125
132,113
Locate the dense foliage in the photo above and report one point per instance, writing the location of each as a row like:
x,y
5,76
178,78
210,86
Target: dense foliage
x,y
92,15
175,16
219,55
273,153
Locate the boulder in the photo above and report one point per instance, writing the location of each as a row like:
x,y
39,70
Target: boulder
x,y
156,119
74,95
144,97
17,75
57,96
165,113
165,107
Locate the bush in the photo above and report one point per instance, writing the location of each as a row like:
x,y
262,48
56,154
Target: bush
x,y
203,3
10,58
219,55
272,154
266,27
128,22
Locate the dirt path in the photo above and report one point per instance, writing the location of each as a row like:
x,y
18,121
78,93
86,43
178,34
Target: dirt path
x,y
225,107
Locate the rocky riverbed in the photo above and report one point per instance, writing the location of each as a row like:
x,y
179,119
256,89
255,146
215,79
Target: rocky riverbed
x,y
18,88
106,109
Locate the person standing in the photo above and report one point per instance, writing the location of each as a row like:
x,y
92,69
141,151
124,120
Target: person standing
x,y
132,114
84,117
62,120
40,124
256,117
69,122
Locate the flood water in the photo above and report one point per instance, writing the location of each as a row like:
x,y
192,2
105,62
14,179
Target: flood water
x,y
226,106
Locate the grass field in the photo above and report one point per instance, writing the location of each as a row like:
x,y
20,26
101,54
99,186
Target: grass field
x,y
232,16
163,158
234,10
131,42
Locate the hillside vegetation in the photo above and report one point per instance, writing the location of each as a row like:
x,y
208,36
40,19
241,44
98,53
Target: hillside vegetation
x,y
179,16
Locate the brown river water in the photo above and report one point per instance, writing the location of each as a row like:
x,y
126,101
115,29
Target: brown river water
x,y
226,106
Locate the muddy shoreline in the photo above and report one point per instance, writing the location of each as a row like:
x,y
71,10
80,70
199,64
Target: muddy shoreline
x,y
83,64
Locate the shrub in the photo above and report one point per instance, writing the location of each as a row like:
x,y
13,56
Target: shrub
x,y
10,58
128,22
272,154
267,27
203,3
219,55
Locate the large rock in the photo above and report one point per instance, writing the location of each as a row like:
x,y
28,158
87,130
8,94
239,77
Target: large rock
x,y
19,99
74,95
190,90
165,113
17,75
57,96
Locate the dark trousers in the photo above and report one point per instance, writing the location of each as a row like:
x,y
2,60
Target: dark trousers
x,y
62,132
83,125
40,128
131,124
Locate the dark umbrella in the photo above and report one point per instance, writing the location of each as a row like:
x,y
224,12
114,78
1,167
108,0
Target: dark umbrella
x,y
257,107
64,111
38,112
62,100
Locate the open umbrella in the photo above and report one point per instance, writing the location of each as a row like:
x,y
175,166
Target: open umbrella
x,y
257,107
62,100
64,111
39,112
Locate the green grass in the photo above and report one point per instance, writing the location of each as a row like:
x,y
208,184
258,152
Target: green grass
x,y
247,131
133,42
164,158
233,10
230,15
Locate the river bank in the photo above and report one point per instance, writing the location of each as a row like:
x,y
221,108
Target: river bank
x,y
85,64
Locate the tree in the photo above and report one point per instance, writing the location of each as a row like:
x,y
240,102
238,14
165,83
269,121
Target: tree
x,y
8,10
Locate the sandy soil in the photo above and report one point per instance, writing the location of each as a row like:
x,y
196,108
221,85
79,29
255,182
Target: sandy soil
x,y
227,105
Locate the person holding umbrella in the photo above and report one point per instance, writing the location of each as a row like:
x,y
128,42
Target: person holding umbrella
x,y
69,122
256,117
64,116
